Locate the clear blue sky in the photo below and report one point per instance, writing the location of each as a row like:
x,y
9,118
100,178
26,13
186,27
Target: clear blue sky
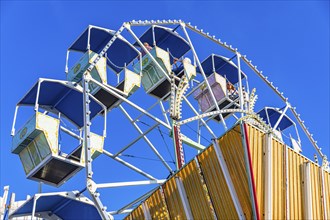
x,y
289,41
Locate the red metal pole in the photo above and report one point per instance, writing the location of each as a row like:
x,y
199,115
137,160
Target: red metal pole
x,y
250,173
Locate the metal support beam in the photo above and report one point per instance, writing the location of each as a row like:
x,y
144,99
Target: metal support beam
x,y
148,109
5,197
163,199
36,105
308,209
209,114
121,210
241,99
324,199
197,115
66,70
142,135
164,112
134,168
268,176
146,139
145,210
14,121
126,211
287,196
106,47
183,197
130,103
199,131
11,207
206,191
87,124
228,179
71,133
132,183
87,148
282,115
203,73
192,143
34,207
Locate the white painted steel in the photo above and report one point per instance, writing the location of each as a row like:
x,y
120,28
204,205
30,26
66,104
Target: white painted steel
x,y
14,121
203,74
198,115
183,197
228,179
308,211
282,115
324,199
146,139
146,212
131,103
132,167
268,176
241,100
287,194
132,183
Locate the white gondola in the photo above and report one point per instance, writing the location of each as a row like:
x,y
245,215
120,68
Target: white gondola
x,y
222,74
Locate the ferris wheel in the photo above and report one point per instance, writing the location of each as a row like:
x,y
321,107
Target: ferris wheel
x,y
150,97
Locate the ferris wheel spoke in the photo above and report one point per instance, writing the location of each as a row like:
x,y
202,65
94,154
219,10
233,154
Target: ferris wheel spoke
x,y
131,183
125,163
129,102
203,74
126,208
148,109
142,135
164,112
201,119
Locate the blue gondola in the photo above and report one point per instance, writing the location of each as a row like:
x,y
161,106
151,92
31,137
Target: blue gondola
x,y
59,205
166,45
37,142
279,121
117,57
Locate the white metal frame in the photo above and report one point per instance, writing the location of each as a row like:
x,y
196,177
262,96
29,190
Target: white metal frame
x,y
308,208
268,176
91,185
183,197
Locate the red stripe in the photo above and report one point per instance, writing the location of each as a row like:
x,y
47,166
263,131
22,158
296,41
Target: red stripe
x,y
251,171
178,148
